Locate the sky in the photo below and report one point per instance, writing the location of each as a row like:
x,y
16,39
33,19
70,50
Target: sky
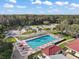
x,y
66,7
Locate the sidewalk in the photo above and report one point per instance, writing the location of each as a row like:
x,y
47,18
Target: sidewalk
x,y
69,56
65,41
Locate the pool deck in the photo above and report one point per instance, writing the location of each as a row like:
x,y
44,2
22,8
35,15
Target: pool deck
x,y
26,50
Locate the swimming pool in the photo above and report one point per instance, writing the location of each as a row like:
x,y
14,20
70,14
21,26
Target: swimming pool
x,y
34,43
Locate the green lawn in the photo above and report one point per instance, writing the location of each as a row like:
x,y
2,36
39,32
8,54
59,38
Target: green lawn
x,y
46,29
22,37
10,40
29,32
54,32
67,37
62,45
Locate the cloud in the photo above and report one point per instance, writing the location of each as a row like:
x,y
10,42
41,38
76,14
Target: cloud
x,y
12,1
19,6
37,2
8,6
47,2
74,5
61,3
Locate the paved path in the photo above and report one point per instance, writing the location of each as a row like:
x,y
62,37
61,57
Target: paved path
x,y
69,56
65,41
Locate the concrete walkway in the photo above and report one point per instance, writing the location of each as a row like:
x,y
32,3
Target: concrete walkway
x,y
65,41
69,56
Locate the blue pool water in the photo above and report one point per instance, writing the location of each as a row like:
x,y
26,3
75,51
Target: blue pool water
x,y
34,43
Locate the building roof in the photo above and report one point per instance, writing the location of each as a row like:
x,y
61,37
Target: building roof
x,y
74,45
59,56
51,50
